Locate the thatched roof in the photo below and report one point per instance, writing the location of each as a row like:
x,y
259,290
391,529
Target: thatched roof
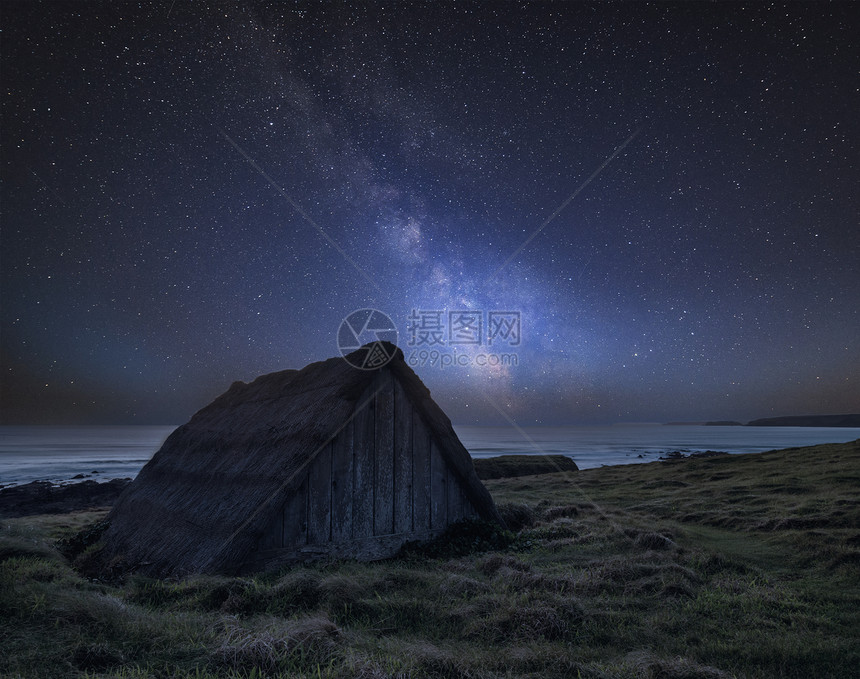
x,y
204,498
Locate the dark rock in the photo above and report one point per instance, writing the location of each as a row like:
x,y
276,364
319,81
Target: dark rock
x,y
508,466
79,476
43,497
683,455
710,453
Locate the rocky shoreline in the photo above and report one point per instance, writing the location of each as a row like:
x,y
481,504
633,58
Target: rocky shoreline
x,y
44,497
685,454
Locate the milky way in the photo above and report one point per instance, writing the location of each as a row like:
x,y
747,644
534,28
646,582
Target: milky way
x,y
666,195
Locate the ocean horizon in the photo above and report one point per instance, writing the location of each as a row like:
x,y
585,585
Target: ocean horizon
x,y
59,453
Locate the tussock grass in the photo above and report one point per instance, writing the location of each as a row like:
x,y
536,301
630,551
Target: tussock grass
x,y
18,539
271,643
648,666
700,568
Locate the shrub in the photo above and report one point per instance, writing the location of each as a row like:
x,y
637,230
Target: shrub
x,y
340,591
459,539
74,545
517,515
294,592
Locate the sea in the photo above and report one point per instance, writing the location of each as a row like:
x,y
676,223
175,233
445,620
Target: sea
x,y
64,454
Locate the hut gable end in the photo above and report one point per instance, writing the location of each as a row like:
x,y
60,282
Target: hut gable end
x,y
382,481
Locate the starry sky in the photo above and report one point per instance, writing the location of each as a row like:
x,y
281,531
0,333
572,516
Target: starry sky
x,y
666,194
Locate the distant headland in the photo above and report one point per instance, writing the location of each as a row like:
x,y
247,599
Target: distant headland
x,y
808,421
851,420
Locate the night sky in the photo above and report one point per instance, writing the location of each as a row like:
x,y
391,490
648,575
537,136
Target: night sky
x,y
196,193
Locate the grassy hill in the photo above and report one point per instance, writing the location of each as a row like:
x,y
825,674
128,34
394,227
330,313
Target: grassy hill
x,y
741,566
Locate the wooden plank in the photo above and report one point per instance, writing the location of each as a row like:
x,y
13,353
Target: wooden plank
x,y
438,488
341,485
402,461
295,516
420,474
363,448
319,497
383,514
455,498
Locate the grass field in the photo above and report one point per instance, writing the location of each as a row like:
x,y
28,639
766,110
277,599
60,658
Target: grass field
x,y
744,566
